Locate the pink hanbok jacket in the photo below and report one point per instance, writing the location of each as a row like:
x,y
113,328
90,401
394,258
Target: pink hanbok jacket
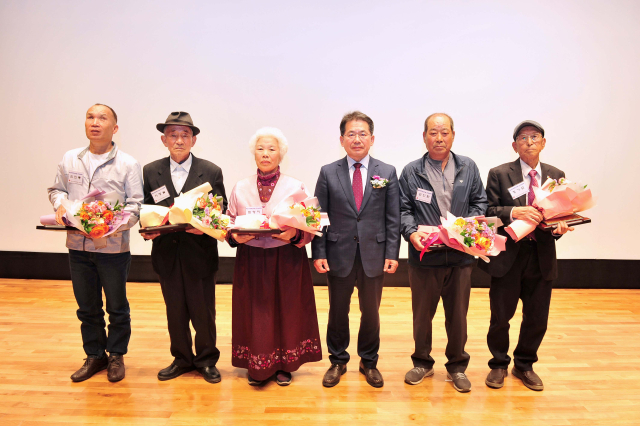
x,y
245,194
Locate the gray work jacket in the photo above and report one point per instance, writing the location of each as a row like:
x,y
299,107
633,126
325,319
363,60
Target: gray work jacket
x,y
120,172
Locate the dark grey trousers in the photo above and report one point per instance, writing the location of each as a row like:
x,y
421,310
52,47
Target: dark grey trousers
x,y
369,295
427,286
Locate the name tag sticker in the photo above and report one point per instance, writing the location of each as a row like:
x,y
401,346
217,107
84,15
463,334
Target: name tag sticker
x,y
75,178
518,190
424,195
160,194
253,210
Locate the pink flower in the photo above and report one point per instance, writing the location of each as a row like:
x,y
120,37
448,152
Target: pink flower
x,y
206,221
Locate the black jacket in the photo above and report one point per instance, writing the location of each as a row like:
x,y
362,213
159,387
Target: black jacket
x,y
501,203
468,199
196,252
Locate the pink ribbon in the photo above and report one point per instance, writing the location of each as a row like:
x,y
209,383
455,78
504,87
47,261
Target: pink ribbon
x,y
431,239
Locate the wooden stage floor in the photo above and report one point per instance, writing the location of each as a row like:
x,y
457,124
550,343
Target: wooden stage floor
x,y
589,362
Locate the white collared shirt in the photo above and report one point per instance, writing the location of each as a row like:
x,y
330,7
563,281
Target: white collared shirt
x,y
180,172
527,180
363,170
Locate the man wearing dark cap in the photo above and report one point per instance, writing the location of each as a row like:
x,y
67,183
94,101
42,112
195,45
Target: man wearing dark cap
x,y
526,269
186,262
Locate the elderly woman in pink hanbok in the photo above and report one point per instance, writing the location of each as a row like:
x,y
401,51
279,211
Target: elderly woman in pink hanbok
x,y
274,320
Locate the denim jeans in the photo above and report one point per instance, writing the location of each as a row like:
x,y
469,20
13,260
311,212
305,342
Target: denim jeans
x,y
92,272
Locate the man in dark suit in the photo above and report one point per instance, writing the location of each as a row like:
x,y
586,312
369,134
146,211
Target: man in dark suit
x,y
186,262
360,195
526,269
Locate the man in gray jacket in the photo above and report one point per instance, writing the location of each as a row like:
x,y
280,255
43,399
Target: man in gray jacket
x,y
100,264
438,182
360,195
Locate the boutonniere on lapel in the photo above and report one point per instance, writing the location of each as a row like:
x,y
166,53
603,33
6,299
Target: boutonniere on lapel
x,y
377,182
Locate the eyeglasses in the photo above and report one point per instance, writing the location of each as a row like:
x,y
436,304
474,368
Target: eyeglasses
x,y
354,135
537,138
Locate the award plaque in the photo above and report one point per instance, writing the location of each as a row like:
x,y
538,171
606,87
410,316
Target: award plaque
x,y
259,231
56,228
572,220
166,229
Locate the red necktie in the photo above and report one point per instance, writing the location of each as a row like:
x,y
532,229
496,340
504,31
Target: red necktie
x,y
532,182
531,196
357,185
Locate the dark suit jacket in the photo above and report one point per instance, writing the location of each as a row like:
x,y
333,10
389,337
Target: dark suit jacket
x,y
199,253
376,226
501,203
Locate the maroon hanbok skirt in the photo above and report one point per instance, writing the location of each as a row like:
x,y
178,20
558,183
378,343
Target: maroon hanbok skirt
x,y
274,320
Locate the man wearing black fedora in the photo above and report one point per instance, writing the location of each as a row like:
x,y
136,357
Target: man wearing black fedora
x,y
186,262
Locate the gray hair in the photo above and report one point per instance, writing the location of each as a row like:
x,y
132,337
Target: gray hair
x,y
274,133
438,114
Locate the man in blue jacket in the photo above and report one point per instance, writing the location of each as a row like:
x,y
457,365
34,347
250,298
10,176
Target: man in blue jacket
x,y
438,182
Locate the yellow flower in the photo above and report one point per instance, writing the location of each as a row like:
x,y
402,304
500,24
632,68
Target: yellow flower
x,y
484,242
459,221
306,213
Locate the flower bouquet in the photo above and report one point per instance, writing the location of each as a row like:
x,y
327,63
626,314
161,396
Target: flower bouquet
x,y
475,235
554,199
304,215
207,216
196,207
98,214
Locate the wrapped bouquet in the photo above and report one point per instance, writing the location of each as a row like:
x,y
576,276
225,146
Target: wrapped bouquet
x,y
475,235
98,214
196,207
554,199
304,215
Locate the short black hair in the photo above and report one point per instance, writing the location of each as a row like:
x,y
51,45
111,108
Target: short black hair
x,y
112,111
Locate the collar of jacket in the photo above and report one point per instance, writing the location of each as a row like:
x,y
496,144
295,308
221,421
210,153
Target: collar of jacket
x,y
457,160
112,153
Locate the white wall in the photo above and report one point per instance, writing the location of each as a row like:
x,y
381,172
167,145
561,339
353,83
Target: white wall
x,y
236,66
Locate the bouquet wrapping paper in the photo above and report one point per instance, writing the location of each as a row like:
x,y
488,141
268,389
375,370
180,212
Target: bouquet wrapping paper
x,y
475,235
554,199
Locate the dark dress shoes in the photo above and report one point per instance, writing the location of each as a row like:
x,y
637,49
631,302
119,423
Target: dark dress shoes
x,y
115,370
90,367
173,371
210,374
529,379
332,376
373,376
495,378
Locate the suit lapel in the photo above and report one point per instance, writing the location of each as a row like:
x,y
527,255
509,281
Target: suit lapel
x,y
515,176
193,178
345,181
164,178
545,173
368,188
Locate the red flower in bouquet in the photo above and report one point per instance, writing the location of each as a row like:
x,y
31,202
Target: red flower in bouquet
x,y
97,216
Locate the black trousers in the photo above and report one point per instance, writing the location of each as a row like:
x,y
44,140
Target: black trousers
x,y
369,295
189,297
523,281
427,286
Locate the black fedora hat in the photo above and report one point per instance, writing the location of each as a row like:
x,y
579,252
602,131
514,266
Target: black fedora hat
x,y
178,118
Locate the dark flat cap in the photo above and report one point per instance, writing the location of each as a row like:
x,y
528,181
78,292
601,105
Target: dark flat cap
x,y
179,118
526,123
